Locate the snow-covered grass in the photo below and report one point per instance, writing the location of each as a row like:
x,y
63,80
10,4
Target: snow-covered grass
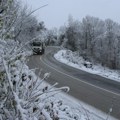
x,y
73,59
83,110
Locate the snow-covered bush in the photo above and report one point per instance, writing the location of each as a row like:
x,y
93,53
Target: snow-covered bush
x,y
24,96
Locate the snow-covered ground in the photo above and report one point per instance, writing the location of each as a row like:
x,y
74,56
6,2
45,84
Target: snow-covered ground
x,y
72,59
83,110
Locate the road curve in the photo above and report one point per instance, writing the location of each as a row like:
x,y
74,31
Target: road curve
x,y
94,90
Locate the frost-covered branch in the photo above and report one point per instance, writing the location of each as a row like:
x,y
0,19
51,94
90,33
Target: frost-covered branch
x,y
15,96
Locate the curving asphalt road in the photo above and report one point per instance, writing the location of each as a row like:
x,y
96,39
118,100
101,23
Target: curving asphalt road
x,y
94,90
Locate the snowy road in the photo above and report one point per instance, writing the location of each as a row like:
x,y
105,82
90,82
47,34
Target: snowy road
x,y
94,90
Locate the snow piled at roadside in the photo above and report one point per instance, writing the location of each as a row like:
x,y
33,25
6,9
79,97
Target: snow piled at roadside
x,y
72,59
85,111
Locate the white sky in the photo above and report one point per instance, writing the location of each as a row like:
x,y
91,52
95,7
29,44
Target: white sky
x,y
57,12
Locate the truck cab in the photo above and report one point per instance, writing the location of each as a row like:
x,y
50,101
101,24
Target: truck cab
x,y
38,47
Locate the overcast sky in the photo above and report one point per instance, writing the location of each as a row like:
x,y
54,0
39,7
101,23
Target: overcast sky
x,y
57,12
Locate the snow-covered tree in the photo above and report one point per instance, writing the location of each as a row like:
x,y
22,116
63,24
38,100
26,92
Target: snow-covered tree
x,y
27,26
8,14
94,39
73,34
51,36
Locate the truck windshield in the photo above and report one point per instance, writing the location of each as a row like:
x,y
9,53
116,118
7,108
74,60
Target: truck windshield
x,y
36,44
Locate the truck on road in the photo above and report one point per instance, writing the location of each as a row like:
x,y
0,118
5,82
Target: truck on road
x,y
38,47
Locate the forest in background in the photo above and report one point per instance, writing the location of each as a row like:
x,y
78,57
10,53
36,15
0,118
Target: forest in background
x,y
95,40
